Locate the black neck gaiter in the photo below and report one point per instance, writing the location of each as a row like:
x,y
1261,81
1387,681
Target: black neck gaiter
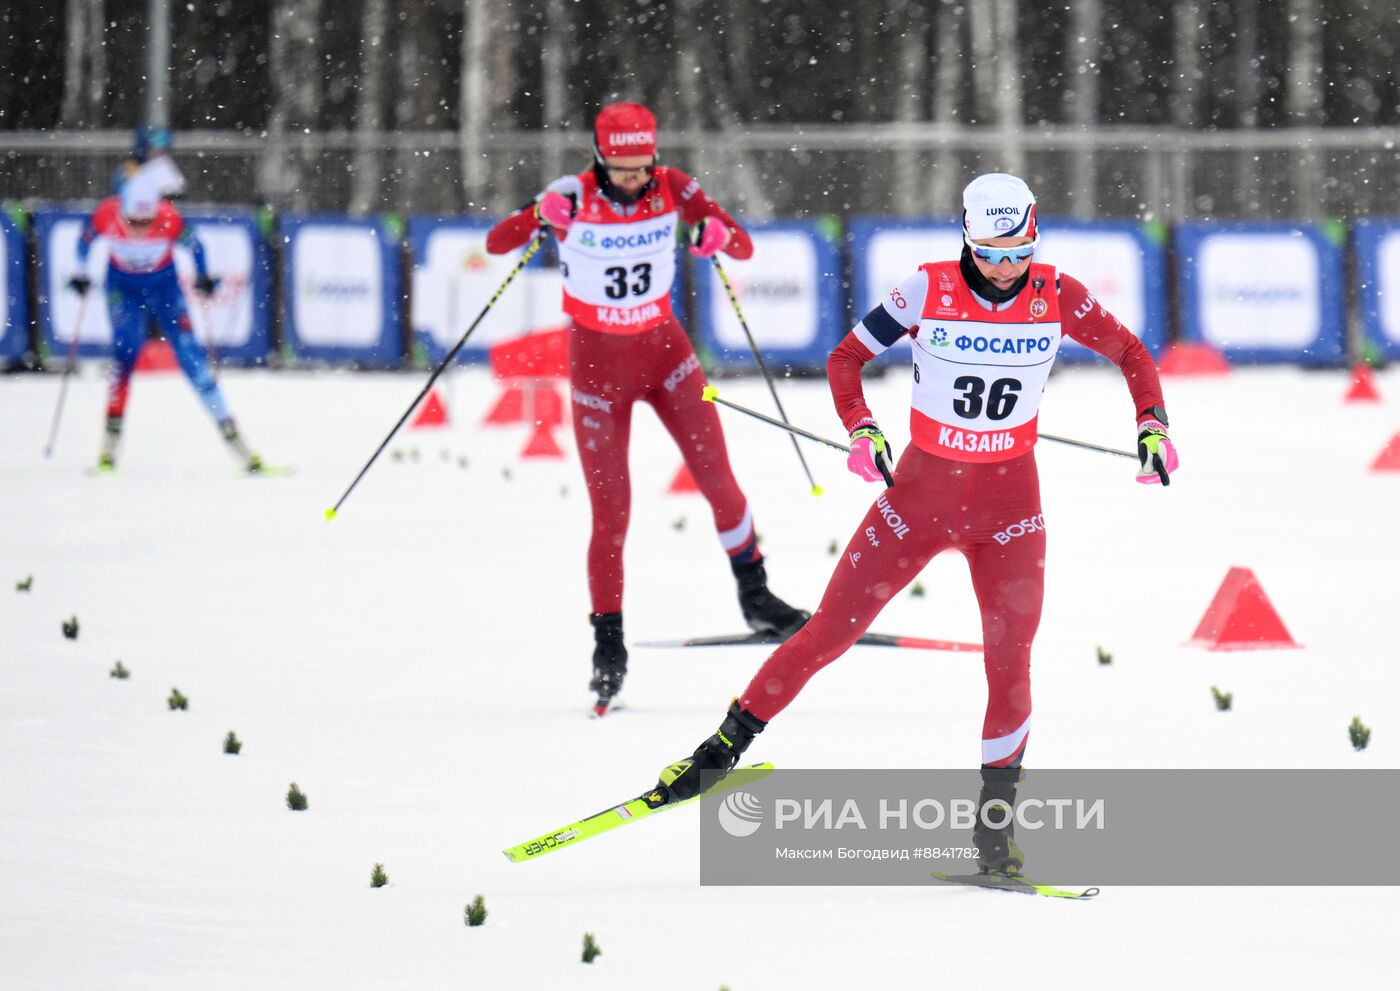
x,y
984,288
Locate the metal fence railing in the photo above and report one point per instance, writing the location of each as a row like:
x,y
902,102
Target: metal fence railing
x,y
844,171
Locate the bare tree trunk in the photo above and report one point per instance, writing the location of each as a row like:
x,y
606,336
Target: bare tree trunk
x,y
1304,100
982,20
1085,44
908,185
366,194
1009,99
1249,196
476,36
488,84
84,65
699,82
687,70
996,76
419,105
294,66
1186,93
948,81
555,68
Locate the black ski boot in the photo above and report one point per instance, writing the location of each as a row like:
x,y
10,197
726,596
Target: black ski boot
x,y
997,852
251,462
609,658
764,611
111,437
720,752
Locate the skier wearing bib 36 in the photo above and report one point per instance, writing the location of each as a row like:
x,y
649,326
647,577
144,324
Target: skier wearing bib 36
x,y
985,331
615,226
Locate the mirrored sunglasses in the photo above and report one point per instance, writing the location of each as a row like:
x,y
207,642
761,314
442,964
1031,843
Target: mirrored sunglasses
x,y
995,256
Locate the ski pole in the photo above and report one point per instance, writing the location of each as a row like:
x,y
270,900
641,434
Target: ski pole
x,y
711,395
1087,446
524,259
67,370
753,346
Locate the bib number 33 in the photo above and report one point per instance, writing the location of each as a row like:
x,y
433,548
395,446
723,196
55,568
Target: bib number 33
x,y
621,281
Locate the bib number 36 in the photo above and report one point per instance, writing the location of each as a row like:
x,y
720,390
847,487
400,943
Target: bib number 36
x,y
999,400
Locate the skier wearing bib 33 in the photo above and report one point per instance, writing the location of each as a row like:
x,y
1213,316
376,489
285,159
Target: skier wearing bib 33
x,y
985,331
615,226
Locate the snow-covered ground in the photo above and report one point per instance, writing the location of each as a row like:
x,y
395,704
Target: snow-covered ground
x,y
418,667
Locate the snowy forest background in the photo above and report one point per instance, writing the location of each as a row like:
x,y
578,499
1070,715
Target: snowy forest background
x,y
1232,108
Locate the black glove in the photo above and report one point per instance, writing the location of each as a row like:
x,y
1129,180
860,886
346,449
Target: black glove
x,y
205,285
80,284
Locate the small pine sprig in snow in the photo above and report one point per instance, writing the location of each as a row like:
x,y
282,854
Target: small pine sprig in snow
x,y
296,801
177,700
24,584
1223,700
917,590
1104,656
475,913
232,744
377,877
70,628
119,671
590,948
1359,732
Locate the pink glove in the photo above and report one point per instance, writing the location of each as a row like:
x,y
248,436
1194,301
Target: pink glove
x,y
708,237
1156,453
556,210
870,453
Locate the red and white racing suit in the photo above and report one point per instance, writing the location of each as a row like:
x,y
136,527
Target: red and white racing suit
x,y
967,482
625,345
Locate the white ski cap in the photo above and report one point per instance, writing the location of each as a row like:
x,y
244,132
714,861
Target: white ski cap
x,y
998,205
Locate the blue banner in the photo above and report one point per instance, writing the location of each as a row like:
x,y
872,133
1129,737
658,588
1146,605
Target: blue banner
x,y
14,328
341,289
1262,292
1377,244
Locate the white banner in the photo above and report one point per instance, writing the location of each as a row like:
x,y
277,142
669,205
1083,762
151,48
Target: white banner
x,y
226,317
1258,290
1388,285
457,278
61,255
777,288
337,290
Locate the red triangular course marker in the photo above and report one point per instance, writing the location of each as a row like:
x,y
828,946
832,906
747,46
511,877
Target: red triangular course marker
x,y
683,483
542,444
1241,617
1363,386
431,413
1389,458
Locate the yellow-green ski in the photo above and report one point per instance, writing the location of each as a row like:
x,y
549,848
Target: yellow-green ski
x,y
1013,883
620,815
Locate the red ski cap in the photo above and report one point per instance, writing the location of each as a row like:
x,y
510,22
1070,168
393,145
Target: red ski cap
x,y
624,130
